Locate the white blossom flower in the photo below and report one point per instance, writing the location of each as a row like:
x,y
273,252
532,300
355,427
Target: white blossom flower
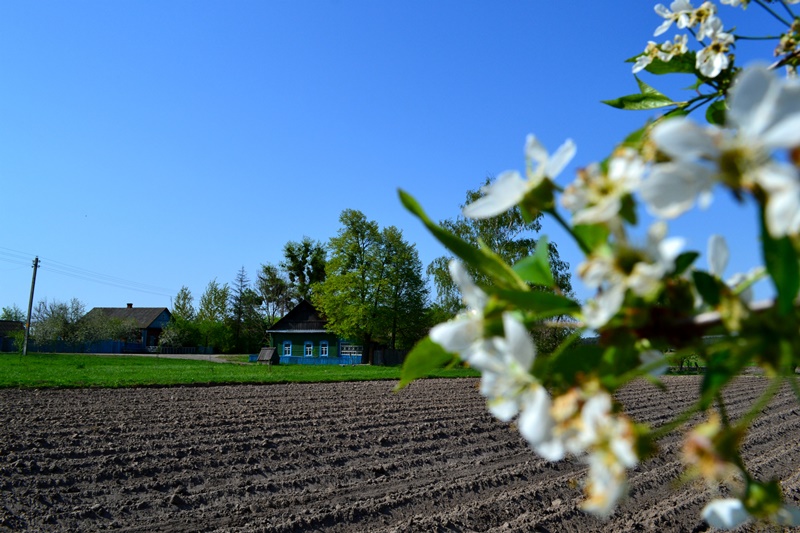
x,y
596,197
713,59
640,270
765,109
509,387
510,188
606,485
664,52
672,188
705,17
611,443
584,422
646,57
678,12
728,513
736,3
504,362
599,310
764,115
668,50
463,334
702,456
506,368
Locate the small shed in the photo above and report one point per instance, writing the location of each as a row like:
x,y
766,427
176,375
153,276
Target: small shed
x,y
269,355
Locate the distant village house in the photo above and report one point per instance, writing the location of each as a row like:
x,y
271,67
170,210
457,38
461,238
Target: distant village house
x,y
300,337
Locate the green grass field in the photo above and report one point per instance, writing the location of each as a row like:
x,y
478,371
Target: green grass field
x,y
74,370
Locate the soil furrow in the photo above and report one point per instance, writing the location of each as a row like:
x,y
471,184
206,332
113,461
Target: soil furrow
x,y
340,457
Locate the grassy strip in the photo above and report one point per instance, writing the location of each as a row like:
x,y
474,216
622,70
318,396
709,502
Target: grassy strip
x,y
73,370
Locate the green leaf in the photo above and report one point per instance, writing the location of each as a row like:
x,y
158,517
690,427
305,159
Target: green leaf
x,y
639,102
635,139
628,209
780,259
682,64
647,89
536,268
592,235
649,98
544,303
708,287
715,113
578,359
684,261
483,259
423,359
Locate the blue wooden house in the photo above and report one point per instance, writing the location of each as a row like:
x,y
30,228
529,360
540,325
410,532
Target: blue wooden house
x,y
300,337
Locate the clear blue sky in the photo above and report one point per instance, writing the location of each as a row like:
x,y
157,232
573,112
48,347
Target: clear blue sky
x,y
150,145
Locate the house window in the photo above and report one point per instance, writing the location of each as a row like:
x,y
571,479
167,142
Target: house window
x,y
287,348
308,349
323,349
351,349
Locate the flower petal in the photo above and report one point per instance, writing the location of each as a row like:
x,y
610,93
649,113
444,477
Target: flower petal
x,y
519,344
672,188
535,423
681,138
507,191
473,296
718,255
726,513
560,159
788,515
457,335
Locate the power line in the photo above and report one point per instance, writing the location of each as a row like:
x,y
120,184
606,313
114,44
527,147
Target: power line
x,y
64,269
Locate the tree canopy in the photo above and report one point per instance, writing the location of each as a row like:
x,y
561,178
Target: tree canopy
x,y
304,263
374,290
508,235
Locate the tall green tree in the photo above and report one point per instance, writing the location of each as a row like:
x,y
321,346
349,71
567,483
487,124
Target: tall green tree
x,y
183,329
183,305
402,313
373,286
212,315
12,312
304,263
247,325
507,235
274,289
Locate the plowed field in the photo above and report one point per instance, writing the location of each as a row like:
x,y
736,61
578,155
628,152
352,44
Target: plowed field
x,y
336,457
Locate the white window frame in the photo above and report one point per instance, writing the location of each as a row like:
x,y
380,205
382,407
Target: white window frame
x,y
308,349
289,344
323,348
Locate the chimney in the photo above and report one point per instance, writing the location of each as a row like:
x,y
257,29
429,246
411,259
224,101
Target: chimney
x,y
130,306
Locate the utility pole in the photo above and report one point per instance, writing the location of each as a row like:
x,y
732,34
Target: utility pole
x,y
30,307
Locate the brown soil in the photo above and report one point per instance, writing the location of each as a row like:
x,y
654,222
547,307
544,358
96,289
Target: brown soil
x,y
336,457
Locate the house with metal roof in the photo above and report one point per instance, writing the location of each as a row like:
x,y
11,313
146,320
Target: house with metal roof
x,y
300,337
149,320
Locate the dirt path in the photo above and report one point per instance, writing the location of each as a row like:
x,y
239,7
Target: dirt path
x,y
333,457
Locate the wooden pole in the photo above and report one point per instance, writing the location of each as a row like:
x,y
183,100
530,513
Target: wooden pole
x,y
30,307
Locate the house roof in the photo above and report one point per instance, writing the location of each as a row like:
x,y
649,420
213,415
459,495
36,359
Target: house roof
x,y
9,326
144,316
303,317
